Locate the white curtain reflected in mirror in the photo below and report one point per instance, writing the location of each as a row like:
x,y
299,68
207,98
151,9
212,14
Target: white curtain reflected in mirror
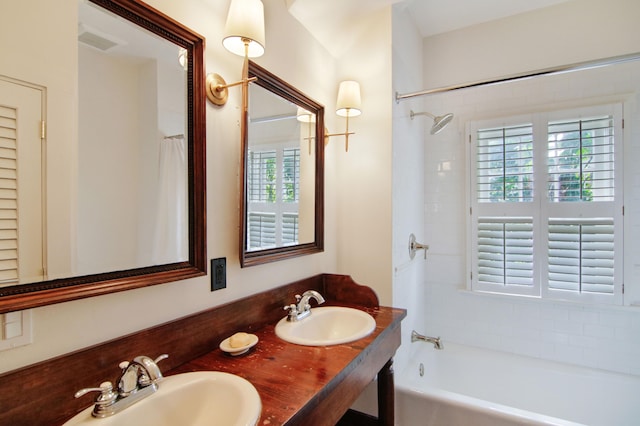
x,y
170,239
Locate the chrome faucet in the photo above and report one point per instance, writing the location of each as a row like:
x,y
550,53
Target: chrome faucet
x,y
138,380
416,337
303,308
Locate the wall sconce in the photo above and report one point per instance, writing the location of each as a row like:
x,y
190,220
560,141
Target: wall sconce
x,y
348,105
244,36
304,116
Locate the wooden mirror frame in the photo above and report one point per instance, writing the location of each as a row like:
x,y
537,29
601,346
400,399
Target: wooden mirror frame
x,y
276,85
25,296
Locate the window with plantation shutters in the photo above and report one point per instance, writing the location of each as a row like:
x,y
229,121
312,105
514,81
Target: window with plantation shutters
x,y
273,196
546,205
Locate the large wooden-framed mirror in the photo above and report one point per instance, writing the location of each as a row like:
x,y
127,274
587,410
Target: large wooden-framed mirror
x,y
168,116
282,204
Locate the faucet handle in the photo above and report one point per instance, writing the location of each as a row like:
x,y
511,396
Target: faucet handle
x,y
293,312
292,308
106,389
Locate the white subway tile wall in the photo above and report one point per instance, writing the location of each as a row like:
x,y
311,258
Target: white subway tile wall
x,y
595,336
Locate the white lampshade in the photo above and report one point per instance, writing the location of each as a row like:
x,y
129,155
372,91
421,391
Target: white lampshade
x,y
183,58
348,104
245,20
305,116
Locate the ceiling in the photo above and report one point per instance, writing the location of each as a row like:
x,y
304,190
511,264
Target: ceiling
x,y
333,22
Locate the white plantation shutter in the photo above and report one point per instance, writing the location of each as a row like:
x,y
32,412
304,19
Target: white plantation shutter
x,y
581,255
546,206
505,251
581,160
261,230
262,178
8,196
291,175
289,228
504,164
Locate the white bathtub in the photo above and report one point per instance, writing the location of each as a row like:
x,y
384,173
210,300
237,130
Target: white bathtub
x,y
464,385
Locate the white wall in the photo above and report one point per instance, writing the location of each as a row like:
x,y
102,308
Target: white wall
x,y
109,158
408,178
364,173
291,54
601,337
567,33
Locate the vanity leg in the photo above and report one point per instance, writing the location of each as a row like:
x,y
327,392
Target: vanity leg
x,y
386,395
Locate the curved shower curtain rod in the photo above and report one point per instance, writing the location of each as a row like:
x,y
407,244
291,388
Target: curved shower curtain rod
x,y
547,71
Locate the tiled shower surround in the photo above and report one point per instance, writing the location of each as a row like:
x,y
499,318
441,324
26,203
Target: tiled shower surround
x,y
606,337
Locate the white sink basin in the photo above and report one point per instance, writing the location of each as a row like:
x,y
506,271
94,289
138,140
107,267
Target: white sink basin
x,y
330,325
200,398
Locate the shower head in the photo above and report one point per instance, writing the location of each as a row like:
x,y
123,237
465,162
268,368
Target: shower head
x,y
439,122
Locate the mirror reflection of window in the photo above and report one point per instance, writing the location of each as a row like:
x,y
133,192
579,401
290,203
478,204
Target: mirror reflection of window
x,y
273,195
273,171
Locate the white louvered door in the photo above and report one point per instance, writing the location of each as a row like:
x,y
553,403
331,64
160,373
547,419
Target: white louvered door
x,y
21,194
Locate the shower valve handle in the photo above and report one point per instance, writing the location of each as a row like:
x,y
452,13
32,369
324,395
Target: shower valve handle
x,y
415,246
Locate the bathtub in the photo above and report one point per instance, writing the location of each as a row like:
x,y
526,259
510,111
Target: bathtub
x,y
463,385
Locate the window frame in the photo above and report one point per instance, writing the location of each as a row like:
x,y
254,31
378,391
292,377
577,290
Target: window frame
x,y
541,209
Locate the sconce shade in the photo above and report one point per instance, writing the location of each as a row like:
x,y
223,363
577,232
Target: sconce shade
x,y
348,104
305,116
183,58
245,22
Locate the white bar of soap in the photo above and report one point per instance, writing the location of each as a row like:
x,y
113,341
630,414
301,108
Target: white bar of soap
x,y
239,340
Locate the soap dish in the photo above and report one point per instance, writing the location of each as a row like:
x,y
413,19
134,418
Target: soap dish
x,y
226,347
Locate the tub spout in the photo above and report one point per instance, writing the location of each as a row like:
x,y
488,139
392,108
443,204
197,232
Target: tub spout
x,y
417,337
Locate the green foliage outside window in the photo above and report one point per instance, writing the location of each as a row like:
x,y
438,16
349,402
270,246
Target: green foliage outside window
x,y
270,188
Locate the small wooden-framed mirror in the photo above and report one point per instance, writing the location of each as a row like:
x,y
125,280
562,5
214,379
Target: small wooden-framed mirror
x,y
282,169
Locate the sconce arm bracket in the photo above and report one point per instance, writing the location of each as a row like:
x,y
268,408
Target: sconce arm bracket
x,y
217,88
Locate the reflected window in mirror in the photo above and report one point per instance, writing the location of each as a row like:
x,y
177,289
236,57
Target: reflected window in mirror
x,y
282,212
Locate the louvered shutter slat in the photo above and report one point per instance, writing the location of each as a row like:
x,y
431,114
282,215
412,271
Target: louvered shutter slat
x,y
8,196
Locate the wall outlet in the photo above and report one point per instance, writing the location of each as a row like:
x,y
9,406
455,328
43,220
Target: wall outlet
x,y
218,273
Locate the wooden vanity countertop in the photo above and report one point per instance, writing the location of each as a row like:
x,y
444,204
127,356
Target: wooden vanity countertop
x,y
307,384
298,385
